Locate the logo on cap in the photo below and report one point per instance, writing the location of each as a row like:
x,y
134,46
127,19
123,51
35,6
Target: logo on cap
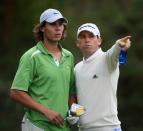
x,y
51,15
89,27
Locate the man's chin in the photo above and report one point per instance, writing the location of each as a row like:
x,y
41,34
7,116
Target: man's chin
x,y
57,39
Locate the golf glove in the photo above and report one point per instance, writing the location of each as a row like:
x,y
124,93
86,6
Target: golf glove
x,y
72,119
74,113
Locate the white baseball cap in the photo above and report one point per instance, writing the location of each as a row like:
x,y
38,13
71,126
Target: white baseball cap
x,y
51,15
89,27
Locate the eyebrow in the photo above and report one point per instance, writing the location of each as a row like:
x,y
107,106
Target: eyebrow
x,y
86,26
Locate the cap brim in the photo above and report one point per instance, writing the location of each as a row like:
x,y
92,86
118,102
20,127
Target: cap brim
x,y
55,19
87,29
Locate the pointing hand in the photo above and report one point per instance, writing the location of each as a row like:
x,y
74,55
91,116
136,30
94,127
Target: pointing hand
x,y
124,42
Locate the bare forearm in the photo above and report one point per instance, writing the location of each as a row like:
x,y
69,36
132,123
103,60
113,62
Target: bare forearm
x,y
72,99
26,100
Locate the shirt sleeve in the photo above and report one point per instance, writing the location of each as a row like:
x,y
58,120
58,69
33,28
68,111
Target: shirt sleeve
x,y
113,56
24,74
72,81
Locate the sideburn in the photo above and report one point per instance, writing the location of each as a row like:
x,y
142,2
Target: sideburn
x,y
64,32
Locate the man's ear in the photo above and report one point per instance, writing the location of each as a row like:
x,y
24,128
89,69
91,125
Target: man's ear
x,y
100,41
77,43
42,29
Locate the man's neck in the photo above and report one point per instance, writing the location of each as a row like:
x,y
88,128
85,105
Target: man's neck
x,y
52,46
86,55
54,49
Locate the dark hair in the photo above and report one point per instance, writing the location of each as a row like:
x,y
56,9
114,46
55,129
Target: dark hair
x,y
38,34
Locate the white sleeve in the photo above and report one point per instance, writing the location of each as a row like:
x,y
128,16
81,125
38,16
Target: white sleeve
x,y
113,57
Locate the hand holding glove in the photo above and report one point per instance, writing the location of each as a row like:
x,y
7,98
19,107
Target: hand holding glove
x,y
72,119
124,42
74,113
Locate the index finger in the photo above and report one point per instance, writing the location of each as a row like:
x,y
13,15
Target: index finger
x,y
126,38
60,120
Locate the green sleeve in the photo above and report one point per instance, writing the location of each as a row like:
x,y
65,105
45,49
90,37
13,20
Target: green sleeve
x,y
72,82
24,74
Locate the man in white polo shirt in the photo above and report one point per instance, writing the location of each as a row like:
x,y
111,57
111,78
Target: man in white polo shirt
x,y
96,80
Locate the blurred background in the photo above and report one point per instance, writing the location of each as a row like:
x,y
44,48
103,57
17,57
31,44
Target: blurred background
x,y
115,19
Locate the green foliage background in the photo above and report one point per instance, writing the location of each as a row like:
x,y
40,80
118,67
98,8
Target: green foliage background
x,y
114,18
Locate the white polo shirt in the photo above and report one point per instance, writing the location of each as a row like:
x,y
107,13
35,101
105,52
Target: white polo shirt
x,y
96,82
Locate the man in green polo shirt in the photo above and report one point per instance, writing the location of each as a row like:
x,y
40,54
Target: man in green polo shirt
x,y
44,79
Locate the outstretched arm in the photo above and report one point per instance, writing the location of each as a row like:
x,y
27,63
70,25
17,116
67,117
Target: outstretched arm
x,y
113,53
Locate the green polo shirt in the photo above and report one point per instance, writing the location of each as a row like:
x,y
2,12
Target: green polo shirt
x,y
46,83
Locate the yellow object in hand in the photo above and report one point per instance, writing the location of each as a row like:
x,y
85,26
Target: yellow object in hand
x,y
78,110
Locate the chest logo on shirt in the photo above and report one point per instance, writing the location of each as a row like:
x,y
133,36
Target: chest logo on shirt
x,y
95,76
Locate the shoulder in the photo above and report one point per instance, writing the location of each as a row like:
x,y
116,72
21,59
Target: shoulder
x,y
67,52
29,53
78,65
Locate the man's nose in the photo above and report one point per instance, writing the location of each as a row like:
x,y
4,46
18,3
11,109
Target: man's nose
x,y
87,39
58,26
